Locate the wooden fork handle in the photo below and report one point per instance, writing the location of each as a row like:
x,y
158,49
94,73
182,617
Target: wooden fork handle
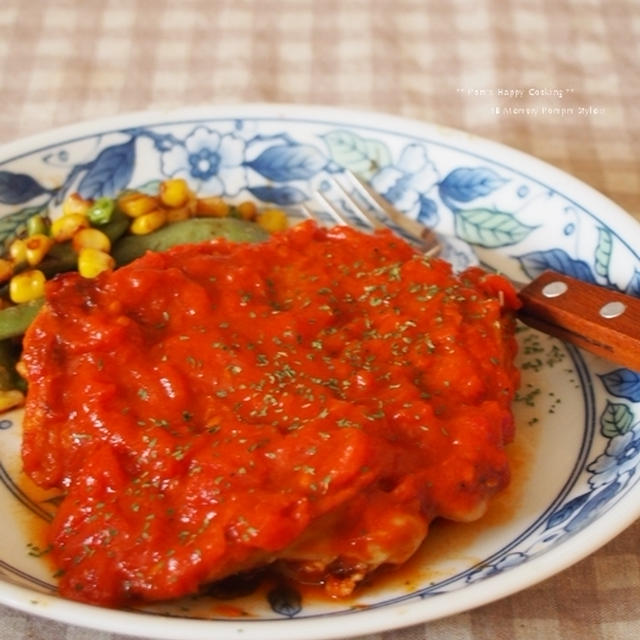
x,y
595,318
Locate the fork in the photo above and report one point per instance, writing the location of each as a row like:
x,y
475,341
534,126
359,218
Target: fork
x,y
602,321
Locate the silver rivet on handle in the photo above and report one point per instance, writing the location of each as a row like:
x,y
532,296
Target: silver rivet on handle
x,y
612,309
554,289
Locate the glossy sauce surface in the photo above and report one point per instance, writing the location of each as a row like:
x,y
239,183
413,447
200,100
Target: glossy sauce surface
x,y
317,399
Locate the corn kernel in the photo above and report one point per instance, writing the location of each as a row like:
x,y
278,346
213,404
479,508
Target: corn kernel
x,y
247,210
18,251
183,212
174,192
93,238
10,399
92,262
273,220
36,248
148,222
213,206
27,286
6,269
178,213
75,203
136,204
191,204
66,226
21,368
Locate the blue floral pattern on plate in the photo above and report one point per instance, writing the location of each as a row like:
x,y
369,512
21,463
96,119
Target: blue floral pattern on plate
x,y
517,220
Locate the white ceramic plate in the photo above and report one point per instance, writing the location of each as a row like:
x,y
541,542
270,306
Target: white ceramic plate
x,y
577,452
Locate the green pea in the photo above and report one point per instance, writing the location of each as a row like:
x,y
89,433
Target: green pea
x,y
100,211
36,225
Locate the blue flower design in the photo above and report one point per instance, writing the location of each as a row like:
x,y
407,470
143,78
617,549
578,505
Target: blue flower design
x,y
211,160
406,183
621,458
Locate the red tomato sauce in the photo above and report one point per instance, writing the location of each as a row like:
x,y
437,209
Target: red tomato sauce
x,y
317,399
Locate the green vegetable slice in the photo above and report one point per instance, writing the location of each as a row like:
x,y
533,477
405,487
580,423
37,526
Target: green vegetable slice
x,y
193,230
15,320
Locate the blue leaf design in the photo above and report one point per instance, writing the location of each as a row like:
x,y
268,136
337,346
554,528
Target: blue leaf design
x,y
593,506
361,155
71,176
465,183
281,138
633,288
536,262
489,228
616,420
603,252
16,188
282,163
285,600
285,195
10,224
152,187
110,172
428,212
566,511
623,383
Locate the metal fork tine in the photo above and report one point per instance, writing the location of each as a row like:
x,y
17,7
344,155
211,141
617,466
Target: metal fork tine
x,y
425,236
360,211
337,217
385,215
335,213
372,196
308,213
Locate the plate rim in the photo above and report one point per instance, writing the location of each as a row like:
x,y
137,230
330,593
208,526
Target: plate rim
x,y
357,117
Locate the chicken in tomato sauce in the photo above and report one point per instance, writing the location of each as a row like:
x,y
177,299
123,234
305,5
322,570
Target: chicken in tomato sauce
x,y
315,401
